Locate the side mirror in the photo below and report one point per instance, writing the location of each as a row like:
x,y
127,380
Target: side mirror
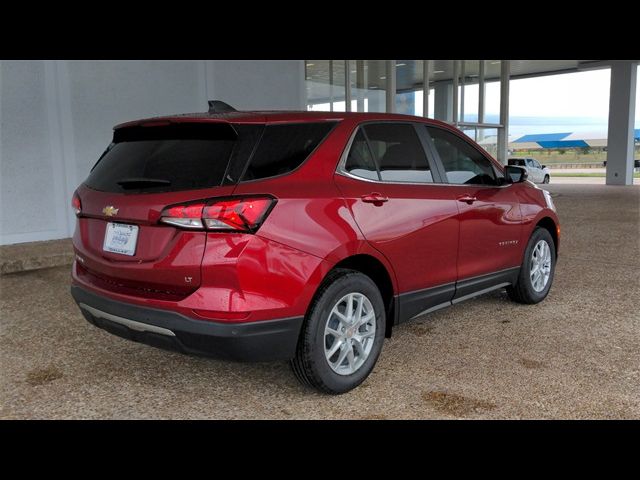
x,y
516,174
543,166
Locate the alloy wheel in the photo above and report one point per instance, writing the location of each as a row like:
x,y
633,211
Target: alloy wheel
x,y
349,333
540,266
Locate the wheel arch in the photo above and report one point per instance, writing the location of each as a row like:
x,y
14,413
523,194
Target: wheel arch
x,y
552,227
377,271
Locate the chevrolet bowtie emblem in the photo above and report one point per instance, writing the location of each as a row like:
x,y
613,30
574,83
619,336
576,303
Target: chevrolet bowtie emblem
x,y
110,211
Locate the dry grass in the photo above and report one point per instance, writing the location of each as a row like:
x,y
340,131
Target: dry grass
x,y
41,376
527,363
374,416
456,405
420,330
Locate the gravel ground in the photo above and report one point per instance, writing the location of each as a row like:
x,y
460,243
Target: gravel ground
x,y
576,355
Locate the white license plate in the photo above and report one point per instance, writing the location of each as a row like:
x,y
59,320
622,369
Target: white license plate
x,y
121,238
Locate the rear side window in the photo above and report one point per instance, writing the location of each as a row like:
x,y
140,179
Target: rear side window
x,y
284,148
398,153
360,162
172,157
518,162
462,162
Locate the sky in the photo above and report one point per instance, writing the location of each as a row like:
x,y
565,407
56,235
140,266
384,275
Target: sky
x,y
581,94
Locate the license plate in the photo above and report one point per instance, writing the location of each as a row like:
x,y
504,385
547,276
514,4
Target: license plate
x,y
120,238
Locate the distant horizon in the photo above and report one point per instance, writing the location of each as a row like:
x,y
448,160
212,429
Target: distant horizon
x,y
570,102
530,125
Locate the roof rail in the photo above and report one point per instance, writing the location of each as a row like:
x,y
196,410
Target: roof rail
x,y
216,106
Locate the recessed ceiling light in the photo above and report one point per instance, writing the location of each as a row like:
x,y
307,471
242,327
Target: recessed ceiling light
x,y
383,78
310,64
439,71
400,64
495,63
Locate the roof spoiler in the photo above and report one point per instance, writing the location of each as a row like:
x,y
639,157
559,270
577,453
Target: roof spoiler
x,y
216,106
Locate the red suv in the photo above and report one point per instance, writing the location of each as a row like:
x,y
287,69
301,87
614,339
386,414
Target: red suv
x,y
301,236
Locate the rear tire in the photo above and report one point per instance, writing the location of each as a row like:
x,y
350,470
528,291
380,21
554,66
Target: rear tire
x,y
340,341
546,179
537,269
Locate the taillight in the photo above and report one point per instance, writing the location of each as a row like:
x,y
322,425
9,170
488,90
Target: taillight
x,y
186,216
76,204
238,214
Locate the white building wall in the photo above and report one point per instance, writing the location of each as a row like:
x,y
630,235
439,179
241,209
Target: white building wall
x,y
56,118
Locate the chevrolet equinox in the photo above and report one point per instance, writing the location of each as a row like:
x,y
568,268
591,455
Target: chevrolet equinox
x,y
300,236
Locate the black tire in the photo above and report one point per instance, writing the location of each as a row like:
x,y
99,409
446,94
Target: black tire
x,y
546,179
523,291
309,364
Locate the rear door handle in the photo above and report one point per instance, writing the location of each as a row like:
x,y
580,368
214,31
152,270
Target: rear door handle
x,y
376,198
468,199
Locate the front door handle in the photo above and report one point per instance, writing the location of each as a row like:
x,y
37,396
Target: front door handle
x,y
376,198
468,199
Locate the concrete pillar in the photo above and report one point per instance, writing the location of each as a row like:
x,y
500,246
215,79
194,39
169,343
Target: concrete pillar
x,y
347,86
390,67
622,102
503,133
426,77
443,101
361,85
481,94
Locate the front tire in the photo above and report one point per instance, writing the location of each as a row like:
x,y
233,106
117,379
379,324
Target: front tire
x,y
342,335
537,270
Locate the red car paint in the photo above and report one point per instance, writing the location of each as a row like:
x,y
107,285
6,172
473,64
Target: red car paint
x,y
424,235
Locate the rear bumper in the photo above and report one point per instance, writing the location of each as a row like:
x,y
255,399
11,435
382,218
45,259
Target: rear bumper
x,y
265,340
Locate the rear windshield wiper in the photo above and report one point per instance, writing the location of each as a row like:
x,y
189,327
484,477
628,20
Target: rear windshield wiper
x,y
141,182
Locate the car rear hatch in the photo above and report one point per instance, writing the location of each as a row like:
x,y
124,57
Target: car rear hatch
x,y
120,244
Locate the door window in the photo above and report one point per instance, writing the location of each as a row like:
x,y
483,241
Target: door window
x,y
389,152
463,164
360,162
398,153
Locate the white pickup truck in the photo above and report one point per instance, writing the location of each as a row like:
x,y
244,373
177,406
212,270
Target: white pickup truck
x,y
537,173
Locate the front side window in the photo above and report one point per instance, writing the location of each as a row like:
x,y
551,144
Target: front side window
x,y
463,164
530,163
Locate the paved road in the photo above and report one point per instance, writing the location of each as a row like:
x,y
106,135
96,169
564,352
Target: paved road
x,y
577,170
584,180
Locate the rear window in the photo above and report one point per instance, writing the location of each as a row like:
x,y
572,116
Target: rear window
x,y
284,148
174,157
518,162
